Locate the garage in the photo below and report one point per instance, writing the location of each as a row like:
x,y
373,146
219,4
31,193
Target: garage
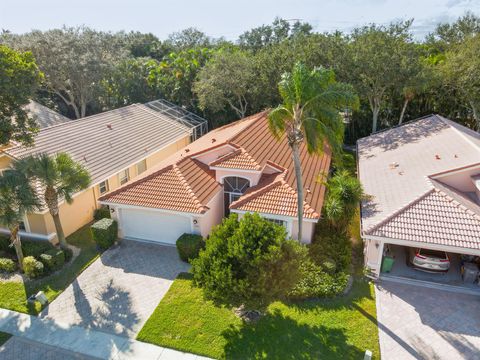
x,y
153,226
402,266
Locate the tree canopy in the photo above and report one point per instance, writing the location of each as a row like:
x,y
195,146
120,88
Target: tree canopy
x,y
18,81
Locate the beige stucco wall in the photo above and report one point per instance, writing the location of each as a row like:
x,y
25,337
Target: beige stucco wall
x,y
4,161
213,216
308,231
80,212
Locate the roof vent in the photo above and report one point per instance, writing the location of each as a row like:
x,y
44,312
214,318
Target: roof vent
x,y
213,140
437,157
393,165
187,150
109,126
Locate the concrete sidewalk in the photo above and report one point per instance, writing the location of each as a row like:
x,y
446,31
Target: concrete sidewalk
x,y
81,341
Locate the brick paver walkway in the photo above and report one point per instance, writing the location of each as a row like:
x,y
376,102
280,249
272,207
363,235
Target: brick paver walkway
x,y
120,290
422,323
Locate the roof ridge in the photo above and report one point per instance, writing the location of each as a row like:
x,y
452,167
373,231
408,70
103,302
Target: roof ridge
x,y
225,157
189,189
397,212
247,197
457,203
306,205
259,116
450,124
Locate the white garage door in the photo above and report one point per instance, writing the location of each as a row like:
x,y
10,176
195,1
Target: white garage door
x,y
153,225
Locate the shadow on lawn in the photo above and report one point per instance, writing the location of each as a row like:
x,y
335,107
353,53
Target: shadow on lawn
x,y
278,337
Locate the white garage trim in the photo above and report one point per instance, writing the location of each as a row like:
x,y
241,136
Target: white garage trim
x,y
452,249
126,206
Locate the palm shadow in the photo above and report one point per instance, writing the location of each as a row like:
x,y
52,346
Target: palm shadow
x,y
272,335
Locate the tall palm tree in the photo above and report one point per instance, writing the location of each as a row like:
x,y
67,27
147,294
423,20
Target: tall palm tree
x,y
17,197
60,177
311,112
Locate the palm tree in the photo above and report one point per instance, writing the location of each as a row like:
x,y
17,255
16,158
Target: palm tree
x,y
17,197
311,112
60,177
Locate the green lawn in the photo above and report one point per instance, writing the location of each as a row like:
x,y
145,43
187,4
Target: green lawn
x,y
13,295
341,328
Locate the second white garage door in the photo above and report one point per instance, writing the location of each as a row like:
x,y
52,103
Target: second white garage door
x,y
153,225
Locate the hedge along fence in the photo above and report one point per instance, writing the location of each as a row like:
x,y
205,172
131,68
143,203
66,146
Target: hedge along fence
x,y
104,232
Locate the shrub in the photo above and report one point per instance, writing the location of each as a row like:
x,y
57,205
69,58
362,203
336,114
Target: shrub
x,y
68,253
333,251
36,247
32,267
5,243
189,246
53,259
101,213
7,265
316,283
104,232
248,263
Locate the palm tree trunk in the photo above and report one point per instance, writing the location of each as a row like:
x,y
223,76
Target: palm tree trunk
x,y
298,175
402,114
51,198
17,244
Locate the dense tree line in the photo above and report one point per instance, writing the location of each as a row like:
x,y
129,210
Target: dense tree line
x,y
396,77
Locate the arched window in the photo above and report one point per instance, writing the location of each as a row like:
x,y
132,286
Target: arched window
x,y
233,188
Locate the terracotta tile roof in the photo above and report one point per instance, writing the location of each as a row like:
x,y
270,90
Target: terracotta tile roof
x,y
434,218
252,147
238,159
273,195
186,186
395,165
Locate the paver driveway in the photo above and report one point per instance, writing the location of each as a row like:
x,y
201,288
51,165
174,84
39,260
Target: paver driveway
x,y
119,291
421,323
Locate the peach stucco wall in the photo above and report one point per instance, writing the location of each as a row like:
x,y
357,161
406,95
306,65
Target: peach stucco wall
x,y
80,212
213,216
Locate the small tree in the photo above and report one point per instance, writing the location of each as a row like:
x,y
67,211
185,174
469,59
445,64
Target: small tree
x,y
343,199
60,176
248,263
17,197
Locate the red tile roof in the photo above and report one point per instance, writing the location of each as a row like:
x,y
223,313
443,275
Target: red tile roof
x,y
254,147
238,159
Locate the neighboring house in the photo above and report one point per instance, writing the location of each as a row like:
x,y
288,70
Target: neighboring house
x,y
422,180
115,147
240,167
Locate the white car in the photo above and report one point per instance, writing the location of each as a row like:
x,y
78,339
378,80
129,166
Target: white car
x,y
429,260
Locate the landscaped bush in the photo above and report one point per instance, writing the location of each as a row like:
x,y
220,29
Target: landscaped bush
x,y
7,265
189,246
331,250
315,282
68,253
35,247
32,267
104,232
53,259
5,243
101,213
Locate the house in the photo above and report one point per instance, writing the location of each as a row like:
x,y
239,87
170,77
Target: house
x,y
423,188
114,146
240,167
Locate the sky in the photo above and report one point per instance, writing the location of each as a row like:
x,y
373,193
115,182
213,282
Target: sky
x,y
224,18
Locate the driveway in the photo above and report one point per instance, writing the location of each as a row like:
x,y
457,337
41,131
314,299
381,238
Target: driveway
x,y
422,323
119,291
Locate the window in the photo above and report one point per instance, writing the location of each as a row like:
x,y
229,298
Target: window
x,y
123,176
278,222
141,166
103,187
233,188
